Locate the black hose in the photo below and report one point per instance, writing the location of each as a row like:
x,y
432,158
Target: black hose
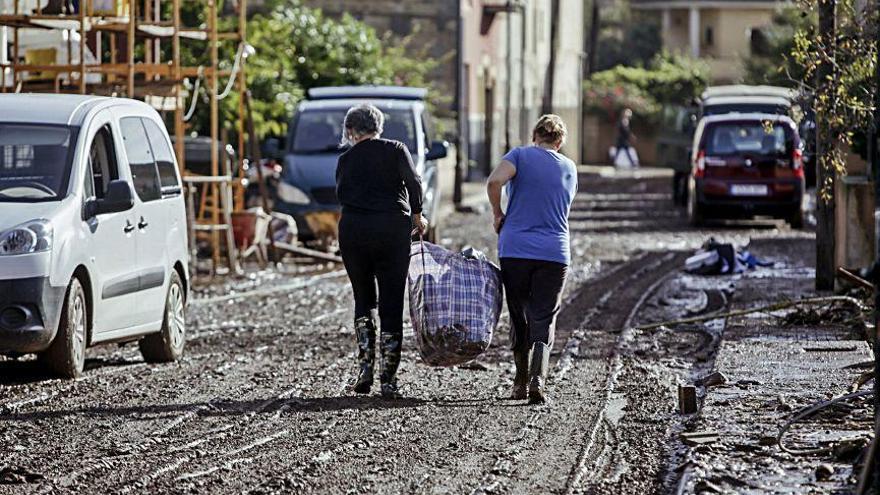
x,y
809,411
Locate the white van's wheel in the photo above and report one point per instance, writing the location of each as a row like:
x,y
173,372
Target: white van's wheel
x,y
167,345
66,356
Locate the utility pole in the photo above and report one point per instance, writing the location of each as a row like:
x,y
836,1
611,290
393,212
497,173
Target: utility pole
x,y
593,51
461,155
585,76
547,106
508,88
825,231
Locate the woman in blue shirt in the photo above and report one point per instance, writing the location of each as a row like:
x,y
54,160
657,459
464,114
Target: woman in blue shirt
x,y
533,246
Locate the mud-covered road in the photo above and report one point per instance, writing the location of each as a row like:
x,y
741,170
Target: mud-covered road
x,y
260,403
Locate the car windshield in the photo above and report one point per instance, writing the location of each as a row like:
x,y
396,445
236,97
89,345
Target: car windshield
x,y
320,131
754,138
34,162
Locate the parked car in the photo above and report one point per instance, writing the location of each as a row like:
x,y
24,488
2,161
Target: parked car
x,y
307,190
716,100
93,244
744,165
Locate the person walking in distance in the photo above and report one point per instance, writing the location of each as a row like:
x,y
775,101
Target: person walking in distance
x,y
625,137
381,197
533,247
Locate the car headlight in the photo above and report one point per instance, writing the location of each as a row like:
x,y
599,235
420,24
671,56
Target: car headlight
x,y
292,194
30,237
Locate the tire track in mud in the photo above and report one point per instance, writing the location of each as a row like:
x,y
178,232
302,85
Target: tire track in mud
x,y
626,286
131,360
157,444
593,464
191,366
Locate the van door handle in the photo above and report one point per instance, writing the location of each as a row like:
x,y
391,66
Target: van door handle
x,y
129,228
143,224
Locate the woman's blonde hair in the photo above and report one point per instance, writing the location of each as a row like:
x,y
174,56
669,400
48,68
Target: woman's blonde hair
x,y
550,129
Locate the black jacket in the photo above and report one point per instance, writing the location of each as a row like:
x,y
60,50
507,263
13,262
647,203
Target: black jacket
x,y
378,176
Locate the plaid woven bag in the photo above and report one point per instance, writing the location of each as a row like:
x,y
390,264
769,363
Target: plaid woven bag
x,y
454,304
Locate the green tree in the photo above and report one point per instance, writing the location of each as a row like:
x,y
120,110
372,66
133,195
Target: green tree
x,y
638,44
771,61
845,100
298,48
668,80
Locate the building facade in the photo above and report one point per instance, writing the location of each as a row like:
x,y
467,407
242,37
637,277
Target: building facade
x,y
717,31
495,58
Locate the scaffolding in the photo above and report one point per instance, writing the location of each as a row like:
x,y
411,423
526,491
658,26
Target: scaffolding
x,y
124,40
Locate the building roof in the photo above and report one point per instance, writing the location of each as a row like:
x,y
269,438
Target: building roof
x,y
56,109
683,4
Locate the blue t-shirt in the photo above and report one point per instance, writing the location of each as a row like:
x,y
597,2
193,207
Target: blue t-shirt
x,y
539,201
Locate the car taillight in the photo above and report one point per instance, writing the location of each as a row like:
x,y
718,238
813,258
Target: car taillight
x,y
700,164
797,162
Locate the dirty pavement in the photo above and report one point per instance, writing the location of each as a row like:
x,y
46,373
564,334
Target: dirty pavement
x,y
259,402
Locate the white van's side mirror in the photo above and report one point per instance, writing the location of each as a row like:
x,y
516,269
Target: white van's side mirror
x,y
118,198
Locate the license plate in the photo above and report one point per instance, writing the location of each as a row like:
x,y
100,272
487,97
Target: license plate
x,y
749,190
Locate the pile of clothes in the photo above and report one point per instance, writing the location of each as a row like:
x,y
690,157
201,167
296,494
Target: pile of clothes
x,y
716,258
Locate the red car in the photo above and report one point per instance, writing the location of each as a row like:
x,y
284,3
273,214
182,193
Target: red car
x,y
746,165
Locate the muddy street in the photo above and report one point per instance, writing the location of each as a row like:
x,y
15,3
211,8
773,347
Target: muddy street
x,y
259,403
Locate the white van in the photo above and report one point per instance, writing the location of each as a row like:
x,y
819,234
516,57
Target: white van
x,y
93,244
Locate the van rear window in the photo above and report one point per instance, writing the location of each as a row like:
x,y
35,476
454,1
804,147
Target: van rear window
x,y
320,131
754,138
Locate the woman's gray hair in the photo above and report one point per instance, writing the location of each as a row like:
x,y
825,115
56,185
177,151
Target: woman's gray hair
x,y
362,120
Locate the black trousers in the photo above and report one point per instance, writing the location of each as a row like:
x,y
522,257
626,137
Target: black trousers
x,y
375,250
534,296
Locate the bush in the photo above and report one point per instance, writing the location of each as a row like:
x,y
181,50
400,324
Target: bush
x,y
668,80
298,48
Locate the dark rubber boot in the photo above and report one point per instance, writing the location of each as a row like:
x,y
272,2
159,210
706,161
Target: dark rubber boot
x,y
538,373
521,380
391,346
365,331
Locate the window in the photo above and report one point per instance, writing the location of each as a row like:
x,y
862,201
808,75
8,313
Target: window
x,y
102,164
35,162
320,131
145,176
164,159
710,36
756,138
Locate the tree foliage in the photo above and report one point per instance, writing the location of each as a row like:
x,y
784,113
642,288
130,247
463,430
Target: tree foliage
x,y
771,61
666,81
635,45
844,101
298,48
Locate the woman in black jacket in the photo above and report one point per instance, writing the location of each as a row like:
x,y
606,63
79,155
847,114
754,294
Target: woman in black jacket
x,y
381,197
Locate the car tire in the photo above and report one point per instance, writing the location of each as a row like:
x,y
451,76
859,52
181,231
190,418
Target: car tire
x,y
167,345
679,189
66,355
796,219
694,209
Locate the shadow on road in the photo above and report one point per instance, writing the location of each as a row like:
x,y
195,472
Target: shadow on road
x,y
15,372
240,408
